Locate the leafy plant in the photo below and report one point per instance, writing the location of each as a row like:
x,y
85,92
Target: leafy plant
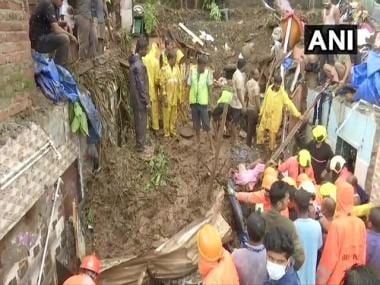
x,y
215,13
207,4
150,16
160,168
79,119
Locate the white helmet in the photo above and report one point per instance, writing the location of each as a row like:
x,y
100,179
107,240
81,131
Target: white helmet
x,y
308,186
337,163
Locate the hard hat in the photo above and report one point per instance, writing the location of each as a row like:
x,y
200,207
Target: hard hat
x,y
302,178
337,163
91,262
271,171
289,180
319,133
328,189
268,180
308,186
80,279
209,243
304,158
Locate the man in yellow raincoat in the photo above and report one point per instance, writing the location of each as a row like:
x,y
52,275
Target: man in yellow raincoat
x,y
152,65
170,86
271,111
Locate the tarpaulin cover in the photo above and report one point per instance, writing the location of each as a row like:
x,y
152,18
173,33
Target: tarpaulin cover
x,y
55,81
93,116
366,78
176,258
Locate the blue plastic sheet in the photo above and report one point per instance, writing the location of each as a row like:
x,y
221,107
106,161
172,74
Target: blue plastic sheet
x,y
93,115
55,81
366,78
287,63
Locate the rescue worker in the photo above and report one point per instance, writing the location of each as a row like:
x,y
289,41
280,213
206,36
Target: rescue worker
x,y
320,151
253,106
270,116
170,47
298,164
170,81
279,198
339,169
215,263
138,80
200,81
290,181
224,99
152,65
302,178
89,271
271,171
346,241
327,189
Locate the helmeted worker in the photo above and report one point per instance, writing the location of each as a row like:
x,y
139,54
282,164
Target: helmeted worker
x,y
290,181
346,241
224,99
152,65
302,178
261,198
298,164
89,271
327,189
270,116
271,171
215,263
170,80
339,169
320,151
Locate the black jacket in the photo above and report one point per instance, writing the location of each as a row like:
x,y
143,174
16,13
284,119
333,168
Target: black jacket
x,y
138,81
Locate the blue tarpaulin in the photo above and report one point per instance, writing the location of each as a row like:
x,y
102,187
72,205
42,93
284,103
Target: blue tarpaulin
x,y
366,79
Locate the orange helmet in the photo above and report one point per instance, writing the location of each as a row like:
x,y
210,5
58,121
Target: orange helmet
x,y
270,171
289,180
302,178
80,279
209,243
268,180
91,262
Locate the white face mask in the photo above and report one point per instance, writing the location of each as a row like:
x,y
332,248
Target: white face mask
x,y
275,271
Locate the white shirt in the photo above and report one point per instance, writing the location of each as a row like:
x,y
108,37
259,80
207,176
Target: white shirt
x,y
238,83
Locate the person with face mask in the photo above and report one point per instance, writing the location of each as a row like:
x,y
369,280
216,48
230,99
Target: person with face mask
x,y
320,151
270,116
279,198
280,248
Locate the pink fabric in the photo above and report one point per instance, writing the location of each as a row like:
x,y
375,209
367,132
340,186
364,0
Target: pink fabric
x,y
249,177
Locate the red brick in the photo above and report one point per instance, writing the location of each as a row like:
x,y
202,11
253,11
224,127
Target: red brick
x,y
10,5
10,15
7,37
12,26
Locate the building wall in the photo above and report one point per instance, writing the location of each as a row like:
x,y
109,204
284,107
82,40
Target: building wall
x,y
16,73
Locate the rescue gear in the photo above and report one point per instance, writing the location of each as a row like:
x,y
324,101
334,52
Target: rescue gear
x,y
209,243
304,158
91,262
319,133
226,97
80,279
292,168
308,186
275,271
179,57
271,114
346,241
362,210
271,171
302,178
199,87
290,181
170,81
268,180
337,163
153,68
219,272
328,189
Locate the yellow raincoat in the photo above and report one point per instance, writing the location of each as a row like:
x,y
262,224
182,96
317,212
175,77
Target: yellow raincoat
x,y
179,57
153,68
170,84
271,114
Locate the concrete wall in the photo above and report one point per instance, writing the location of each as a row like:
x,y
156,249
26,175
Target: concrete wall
x,y
16,73
22,248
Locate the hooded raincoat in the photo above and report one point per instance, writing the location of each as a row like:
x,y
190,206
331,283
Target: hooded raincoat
x,y
346,241
271,114
152,65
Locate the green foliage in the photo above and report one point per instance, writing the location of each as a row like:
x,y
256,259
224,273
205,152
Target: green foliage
x,y
150,16
215,13
160,168
90,217
126,41
207,4
79,120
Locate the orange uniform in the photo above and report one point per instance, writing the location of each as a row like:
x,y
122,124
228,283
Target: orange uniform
x,y
221,272
346,241
344,175
258,197
80,279
291,166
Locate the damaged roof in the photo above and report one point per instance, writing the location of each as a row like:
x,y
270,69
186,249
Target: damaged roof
x,y
16,158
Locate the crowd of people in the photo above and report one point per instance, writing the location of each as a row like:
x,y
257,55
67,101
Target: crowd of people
x,y
58,29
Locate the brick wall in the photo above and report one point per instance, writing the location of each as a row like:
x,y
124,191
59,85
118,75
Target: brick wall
x,y
16,73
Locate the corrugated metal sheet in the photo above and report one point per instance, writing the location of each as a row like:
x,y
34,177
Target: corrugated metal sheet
x,y
20,196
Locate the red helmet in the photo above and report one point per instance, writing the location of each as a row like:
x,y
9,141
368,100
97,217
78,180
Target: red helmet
x,y
91,262
80,279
